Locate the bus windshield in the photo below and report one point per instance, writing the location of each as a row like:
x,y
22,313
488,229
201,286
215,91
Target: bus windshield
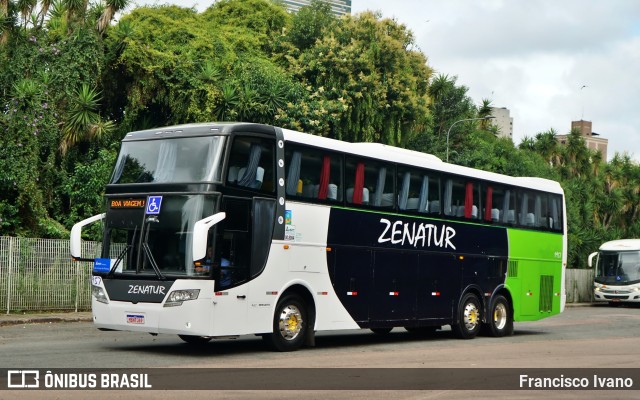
x,y
618,268
190,159
157,244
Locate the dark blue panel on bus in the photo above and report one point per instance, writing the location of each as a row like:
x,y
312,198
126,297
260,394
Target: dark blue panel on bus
x,y
397,270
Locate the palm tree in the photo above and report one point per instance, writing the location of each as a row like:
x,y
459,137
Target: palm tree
x,y
83,122
484,111
113,6
547,146
26,7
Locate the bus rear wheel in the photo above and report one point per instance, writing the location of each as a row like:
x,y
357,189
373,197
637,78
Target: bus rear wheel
x,y
500,322
196,340
469,317
290,324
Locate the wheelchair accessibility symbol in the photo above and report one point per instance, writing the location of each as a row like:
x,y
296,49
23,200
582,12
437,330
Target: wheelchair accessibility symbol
x,y
153,205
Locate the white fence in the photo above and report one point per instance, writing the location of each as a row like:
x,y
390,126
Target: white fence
x,y
38,274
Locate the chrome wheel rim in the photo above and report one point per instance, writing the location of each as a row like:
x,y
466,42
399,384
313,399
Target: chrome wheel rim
x,y
471,316
290,322
500,316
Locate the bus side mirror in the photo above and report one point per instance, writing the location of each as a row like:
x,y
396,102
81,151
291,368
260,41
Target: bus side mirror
x,y
76,237
200,230
590,261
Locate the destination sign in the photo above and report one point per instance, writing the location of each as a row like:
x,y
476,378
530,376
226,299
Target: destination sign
x,y
127,203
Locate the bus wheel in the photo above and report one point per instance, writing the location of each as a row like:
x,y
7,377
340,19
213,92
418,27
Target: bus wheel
x,y
195,339
501,321
289,324
468,320
381,331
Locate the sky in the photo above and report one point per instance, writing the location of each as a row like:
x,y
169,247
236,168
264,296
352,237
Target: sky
x,y
549,62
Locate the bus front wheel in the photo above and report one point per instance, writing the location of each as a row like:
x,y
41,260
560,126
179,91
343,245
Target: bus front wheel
x,y
500,322
469,317
290,324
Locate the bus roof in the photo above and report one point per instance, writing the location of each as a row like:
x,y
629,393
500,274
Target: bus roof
x,y
621,245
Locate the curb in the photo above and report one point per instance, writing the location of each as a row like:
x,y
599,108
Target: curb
x,y
42,320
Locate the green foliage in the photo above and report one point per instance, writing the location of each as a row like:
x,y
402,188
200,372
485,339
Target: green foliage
x,y
374,86
85,188
249,26
450,103
310,23
156,57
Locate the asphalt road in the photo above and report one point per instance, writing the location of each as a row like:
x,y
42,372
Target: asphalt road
x,y
581,337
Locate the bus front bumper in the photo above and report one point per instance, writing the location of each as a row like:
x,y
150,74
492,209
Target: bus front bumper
x,y
186,319
616,295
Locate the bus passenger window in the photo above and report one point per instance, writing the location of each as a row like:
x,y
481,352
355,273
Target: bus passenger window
x,y
313,174
489,212
356,192
370,183
541,211
379,180
555,219
417,191
531,212
252,164
458,198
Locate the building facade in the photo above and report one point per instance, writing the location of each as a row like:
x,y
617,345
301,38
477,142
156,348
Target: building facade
x,y
592,139
502,120
339,7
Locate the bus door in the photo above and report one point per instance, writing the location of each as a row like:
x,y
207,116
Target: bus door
x,y
394,286
242,246
438,282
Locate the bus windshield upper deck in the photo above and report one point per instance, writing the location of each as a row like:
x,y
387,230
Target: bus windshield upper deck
x,y
189,159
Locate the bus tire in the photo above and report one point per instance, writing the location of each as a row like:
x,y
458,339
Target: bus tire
x,y
195,340
381,331
500,318
290,324
468,318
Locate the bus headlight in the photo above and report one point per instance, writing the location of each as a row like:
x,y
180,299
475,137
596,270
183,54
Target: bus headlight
x,y
178,296
99,294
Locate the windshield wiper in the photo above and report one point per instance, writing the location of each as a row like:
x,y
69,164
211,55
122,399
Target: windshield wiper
x,y
118,261
152,261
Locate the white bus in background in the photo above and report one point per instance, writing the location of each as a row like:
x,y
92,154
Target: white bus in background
x,y
617,273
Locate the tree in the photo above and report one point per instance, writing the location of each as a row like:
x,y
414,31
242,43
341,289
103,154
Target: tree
x,y
485,110
310,24
450,103
365,71
112,7
83,122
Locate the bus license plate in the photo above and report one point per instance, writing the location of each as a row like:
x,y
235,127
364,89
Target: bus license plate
x,y
136,319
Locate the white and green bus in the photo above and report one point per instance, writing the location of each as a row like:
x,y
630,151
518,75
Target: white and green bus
x,y
617,274
226,229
